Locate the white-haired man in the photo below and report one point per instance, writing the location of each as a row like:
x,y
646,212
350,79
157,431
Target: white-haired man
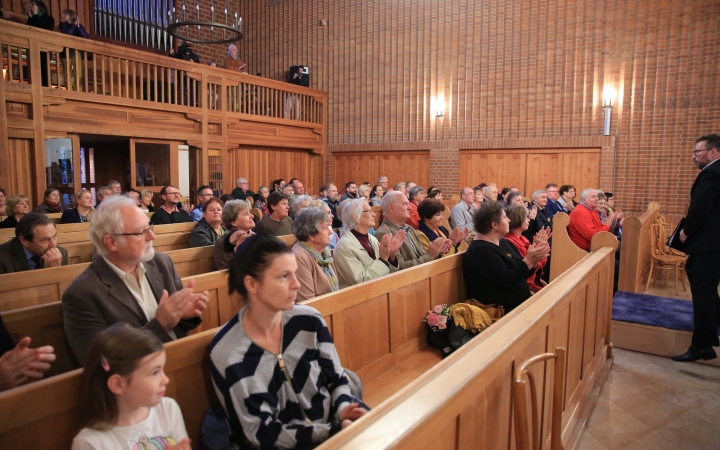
x,y
585,222
232,62
396,209
462,214
383,182
242,191
127,282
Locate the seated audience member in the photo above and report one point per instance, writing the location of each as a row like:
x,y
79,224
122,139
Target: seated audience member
x,y
127,282
538,215
226,198
288,190
567,194
261,200
102,193
39,18
232,62
208,229
72,66
122,402
585,221
264,276
239,222
553,205
601,209
278,185
171,210
478,197
301,202
51,204
461,215
33,247
377,194
146,201
3,202
503,196
20,364
242,191
135,195
358,256
409,185
493,269
411,253
278,222
515,198
204,193
400,187
350,191
17,207
434,192
334,238
491,193
332,201
115,187
431,228
315,269
610,202
416,195
383,182
364,192
519,222
83,210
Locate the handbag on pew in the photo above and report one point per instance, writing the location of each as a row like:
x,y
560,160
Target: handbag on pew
x,y
495,311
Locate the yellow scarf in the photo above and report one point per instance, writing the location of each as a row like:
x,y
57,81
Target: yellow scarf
x,y
470,317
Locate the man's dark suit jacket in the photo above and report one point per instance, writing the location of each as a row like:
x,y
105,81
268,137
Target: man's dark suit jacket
x,y
13,259
542,219
98,298
703,216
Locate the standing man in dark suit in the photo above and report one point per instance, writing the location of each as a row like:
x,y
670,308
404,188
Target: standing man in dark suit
x,y
701,236
33,247
127,282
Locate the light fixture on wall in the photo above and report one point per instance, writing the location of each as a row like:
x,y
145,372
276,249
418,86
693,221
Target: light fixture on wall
x,y
438,106
607,99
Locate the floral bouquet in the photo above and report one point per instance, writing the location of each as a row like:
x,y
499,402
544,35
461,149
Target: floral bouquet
x,y
438,317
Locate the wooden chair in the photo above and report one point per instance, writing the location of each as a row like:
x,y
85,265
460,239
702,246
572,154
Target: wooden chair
x,y
662,258
257,213
523,437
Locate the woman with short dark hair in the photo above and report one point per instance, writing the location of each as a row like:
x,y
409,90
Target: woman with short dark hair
x,y
278,222
298,395
493,269
51,204
431,227
567,195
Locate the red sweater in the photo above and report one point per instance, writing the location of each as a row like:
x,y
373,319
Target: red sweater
x,y
414,219
584,224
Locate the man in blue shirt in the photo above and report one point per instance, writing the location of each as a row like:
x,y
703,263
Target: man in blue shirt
x,y
204,193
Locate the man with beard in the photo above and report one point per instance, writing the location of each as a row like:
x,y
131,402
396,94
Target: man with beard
x,y
169,212
127,282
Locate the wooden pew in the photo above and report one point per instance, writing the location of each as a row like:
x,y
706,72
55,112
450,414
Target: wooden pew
x,y
634,250
72,233
25,289
564,252
386,313
466,402
378,216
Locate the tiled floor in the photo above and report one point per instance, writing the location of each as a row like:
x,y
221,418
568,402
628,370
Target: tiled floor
x,y
651,402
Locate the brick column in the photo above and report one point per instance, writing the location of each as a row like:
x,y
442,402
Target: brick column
x,y
445,170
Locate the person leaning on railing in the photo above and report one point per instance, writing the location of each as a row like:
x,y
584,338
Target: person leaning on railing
x,y
40,19
72,66
315,269
493,269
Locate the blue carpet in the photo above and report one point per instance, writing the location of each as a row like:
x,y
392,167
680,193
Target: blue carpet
x,y
651,310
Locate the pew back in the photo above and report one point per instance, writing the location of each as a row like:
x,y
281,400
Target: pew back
x,y
466,402
386,314
71,233
635,250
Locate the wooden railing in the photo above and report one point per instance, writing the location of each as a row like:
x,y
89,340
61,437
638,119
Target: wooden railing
x,y
102,70
465,402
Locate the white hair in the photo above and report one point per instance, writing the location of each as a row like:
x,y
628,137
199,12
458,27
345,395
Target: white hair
x,y
381,179
229,47
389,199
300,199
586,192
108,219
351,213
538,193
362,189
241,180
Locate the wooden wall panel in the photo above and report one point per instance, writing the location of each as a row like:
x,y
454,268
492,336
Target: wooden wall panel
x,y
530,169
19,180
262,165
361,167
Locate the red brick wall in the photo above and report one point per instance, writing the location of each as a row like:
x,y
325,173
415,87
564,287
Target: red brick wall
x,y
526,69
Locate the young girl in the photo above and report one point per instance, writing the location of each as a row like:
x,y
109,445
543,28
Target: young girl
x,y
123,404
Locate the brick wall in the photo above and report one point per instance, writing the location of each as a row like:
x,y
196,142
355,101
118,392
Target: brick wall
x,y
523,69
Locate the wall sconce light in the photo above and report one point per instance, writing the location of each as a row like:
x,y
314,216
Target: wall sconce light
x,y
608,97
439,106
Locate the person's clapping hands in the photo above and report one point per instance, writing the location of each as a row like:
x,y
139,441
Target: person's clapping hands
x,y
537,252
351,413
457,235
543,235
183,304
24,364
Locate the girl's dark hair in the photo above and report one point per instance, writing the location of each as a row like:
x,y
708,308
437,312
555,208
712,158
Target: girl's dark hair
x,y
429,207
122,346
213,200
372,193
49,191
484,218
252,258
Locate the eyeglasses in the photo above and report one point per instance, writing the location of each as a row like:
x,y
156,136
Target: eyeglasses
x,y
698,151
143,233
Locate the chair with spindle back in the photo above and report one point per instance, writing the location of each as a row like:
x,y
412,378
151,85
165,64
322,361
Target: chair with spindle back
x,y
525,440
662,258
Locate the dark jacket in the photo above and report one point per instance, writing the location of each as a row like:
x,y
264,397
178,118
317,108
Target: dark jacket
x,y
203,235
336,223
98,298
542,219
13,258
161,217
42,20
10,222
71,216
496,274
238,194
44,208
703,216
553,208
